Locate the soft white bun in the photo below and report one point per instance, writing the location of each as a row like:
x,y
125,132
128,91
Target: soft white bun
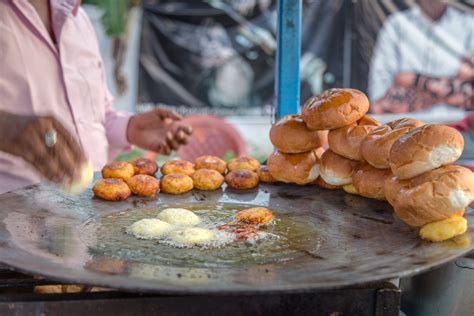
x,y
335,169
369,181
294,168
179,216
432,196
291,135
149,228
346,141
376,145
425,148
334,108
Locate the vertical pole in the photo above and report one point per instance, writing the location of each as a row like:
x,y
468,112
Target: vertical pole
x,y
287,78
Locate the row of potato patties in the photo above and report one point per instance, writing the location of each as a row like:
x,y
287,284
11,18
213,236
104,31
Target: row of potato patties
x,y
121,179
209,173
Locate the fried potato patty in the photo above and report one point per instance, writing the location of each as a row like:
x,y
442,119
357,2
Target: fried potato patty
x,y
444,229
255,216
243,163
265,175
144,166
242,179
177,166
207,179
211,162
118,170
176,183
111,190
144,185
192,236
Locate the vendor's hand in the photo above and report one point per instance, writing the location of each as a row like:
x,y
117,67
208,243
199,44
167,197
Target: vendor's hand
x,y
24,136
159,130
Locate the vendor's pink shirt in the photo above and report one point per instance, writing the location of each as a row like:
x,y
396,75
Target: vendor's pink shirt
x,y
65,80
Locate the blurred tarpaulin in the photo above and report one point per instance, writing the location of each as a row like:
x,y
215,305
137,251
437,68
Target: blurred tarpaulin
x,y
217,57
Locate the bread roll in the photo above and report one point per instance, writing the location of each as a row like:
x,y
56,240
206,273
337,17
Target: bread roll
x,y
434,195
334,108
335,169
294,168
291,135
425,148
346,141
375,147
369,181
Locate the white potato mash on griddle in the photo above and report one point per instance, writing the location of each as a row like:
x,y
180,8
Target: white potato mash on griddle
x,y
150,228
191,236
179,216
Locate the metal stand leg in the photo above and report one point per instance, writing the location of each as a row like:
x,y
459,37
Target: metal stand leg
x,y
287,79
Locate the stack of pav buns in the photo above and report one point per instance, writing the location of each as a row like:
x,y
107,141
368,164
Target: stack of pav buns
x,y
404,161
297,151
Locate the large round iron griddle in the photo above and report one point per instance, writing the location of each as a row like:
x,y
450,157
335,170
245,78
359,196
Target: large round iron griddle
x,y
40,232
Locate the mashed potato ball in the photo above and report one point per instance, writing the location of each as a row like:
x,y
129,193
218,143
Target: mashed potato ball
x,y
150,228
179,216
192,236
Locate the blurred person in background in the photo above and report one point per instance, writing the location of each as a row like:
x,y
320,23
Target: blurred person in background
x,y
424,57
55,109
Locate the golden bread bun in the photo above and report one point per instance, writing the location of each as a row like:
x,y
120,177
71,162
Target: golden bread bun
x,y
242,179
323,184
444,229
177,166
176,183
111,190
369,181
294,168
376,145
392,187
255,216
243,163
334,108
291,135
265,175
207,179
143,185
118,170
335,169
144,166
425,148
210,162
434,195
346,141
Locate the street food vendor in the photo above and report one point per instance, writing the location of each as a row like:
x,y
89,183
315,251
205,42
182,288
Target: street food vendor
x,y
55,109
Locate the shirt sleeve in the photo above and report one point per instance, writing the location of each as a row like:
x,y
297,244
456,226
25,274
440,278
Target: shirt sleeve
x,y
116,122
383,66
